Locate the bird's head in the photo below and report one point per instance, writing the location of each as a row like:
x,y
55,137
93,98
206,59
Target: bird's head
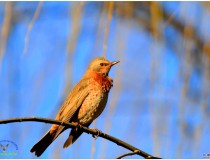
x,y
101,65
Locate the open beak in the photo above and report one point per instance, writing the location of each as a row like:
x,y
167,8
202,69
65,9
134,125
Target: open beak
x,y
115,62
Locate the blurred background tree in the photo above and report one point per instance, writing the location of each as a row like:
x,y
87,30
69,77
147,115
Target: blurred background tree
x,y
160,99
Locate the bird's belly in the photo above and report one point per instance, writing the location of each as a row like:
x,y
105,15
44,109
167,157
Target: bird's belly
x,y
92,107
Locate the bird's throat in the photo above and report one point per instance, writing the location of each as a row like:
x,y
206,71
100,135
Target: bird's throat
x,y
104,81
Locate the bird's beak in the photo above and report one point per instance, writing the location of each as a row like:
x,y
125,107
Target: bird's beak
x,y
115,62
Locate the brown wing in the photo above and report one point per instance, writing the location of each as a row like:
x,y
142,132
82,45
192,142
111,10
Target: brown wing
x,y
71,105
65,114
73,101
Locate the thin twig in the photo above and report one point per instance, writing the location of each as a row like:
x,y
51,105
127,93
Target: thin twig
x,y
110,10
5,28
128,154
36,14
85,129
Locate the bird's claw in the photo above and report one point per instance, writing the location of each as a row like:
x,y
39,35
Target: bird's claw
x,y
98,133
78,126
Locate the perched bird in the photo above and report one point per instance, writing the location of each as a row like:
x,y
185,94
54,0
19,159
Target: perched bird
x,y
83,105
4,148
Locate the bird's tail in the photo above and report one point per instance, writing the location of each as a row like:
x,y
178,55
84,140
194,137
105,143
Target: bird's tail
x,y
43,143
47,139
73,136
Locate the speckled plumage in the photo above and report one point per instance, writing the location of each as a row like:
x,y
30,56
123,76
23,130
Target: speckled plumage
x,y
96,100
83,105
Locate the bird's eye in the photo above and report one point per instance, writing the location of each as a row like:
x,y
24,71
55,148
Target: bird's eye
x,y
101,64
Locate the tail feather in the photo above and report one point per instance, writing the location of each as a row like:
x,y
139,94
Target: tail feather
x,y
68,141
43,143
73,136
46,140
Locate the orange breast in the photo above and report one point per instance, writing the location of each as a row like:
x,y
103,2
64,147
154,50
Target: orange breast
x,y
106,83
93,104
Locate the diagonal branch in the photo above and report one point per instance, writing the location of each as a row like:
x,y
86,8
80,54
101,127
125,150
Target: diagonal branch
x,y
85,129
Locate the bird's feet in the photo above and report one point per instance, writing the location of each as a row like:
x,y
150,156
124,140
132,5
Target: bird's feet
x,y
78,126
98,133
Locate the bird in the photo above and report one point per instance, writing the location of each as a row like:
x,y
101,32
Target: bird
x,y
4,147
83,105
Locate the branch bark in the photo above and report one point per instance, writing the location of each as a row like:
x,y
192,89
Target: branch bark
x,y
85,129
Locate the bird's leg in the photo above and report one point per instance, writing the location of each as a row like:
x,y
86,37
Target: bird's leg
x,y
98,133
78,126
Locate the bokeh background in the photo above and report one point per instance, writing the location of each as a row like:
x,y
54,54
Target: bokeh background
x,y
160,99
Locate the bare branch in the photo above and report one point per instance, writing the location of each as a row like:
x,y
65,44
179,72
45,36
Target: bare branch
x,y
36,14
130,154
5,28
127,154
85,129
110,10
143,20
